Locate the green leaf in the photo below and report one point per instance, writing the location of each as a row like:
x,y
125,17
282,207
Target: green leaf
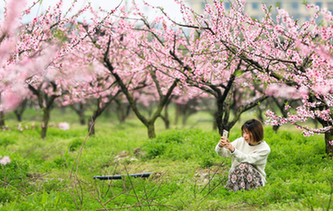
x,y
44,198
238,73
57,200
13,204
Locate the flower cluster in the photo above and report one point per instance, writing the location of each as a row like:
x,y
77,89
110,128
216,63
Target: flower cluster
x,y
63,126
5,160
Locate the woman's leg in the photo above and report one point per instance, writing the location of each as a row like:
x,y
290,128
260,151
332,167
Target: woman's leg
x,y
244,177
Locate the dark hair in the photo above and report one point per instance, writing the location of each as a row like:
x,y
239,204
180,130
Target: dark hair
x,y
254,126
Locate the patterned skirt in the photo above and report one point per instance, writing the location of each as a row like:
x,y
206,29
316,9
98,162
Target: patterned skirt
x,y
244,177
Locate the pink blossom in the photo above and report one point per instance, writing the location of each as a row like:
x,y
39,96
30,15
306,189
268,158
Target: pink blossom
x,y
5,160
331,143
321,90
63,126
14,8
322,52
10,100
7,47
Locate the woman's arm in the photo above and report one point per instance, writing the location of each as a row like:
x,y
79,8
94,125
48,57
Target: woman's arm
x,y
256,158
221,151
225,151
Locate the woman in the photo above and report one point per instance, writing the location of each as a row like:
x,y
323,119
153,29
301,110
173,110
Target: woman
x,y
249,157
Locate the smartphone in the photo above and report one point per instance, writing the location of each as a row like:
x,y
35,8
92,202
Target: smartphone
x,y
225,134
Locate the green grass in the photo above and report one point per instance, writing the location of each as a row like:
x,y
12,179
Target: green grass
x,y
56,173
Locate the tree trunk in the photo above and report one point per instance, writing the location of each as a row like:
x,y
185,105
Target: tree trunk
x,y
2,116
185,117
80,112
120,112
167,122
328,137
82,119
223,113
108,111
46,118
151,130
178,113
162,102
281,107
276,128
214,126
19,111
99,110
2,119
328,146
166,115
45,102
315,123
259,114
219,116
18,116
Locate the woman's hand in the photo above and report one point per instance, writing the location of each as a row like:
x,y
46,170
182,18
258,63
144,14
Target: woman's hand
x,y
226,144
221,142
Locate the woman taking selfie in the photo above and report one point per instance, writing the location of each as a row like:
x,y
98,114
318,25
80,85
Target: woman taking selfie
x,y
248,157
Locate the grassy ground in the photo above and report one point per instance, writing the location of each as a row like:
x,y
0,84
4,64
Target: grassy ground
x,y
57,173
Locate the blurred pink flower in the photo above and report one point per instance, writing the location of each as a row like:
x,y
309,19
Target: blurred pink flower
x,y
321,89
13,14
5,160
63,126
10,100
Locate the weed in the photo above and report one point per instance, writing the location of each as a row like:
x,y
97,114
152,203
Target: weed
x,y
75,144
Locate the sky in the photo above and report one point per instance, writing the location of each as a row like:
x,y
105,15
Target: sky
x,y
169,6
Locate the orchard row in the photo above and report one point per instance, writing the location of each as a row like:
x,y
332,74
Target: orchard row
x,y
221,54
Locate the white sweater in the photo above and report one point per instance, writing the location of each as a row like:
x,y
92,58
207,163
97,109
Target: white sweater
x,y
255,155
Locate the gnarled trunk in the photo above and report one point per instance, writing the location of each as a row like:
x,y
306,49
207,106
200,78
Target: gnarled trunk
x,y
328,137
2,119
122,111
46,118
19,111
80,109
328,141
166,115
219,117
99,110
151,130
